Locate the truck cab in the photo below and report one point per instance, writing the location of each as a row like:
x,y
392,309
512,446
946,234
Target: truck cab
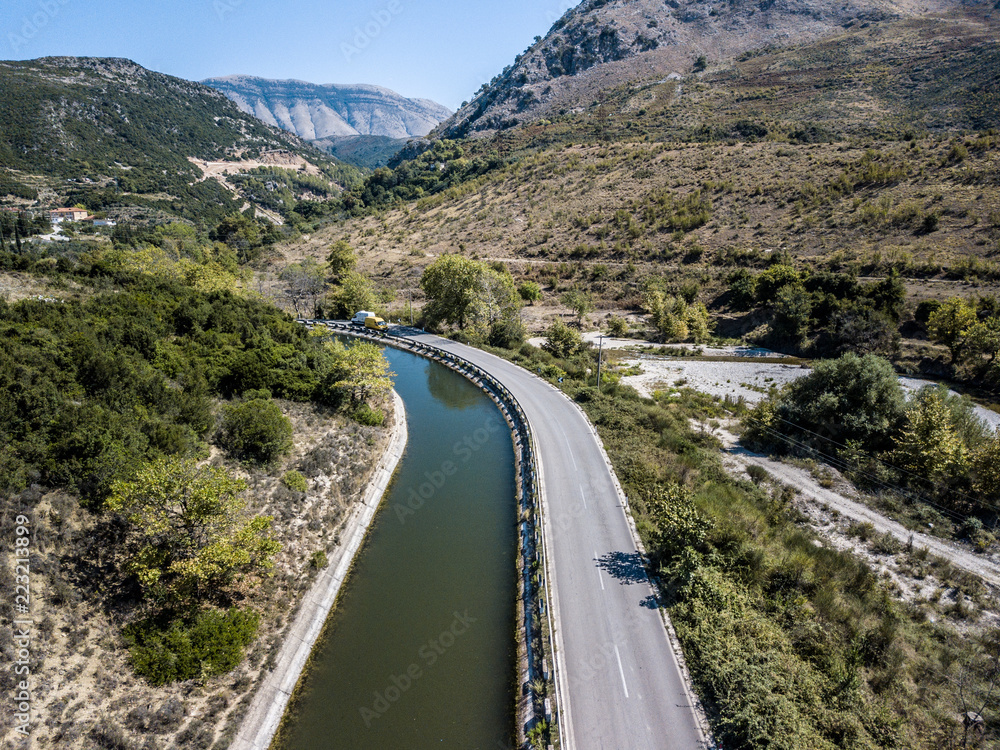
x,y
375,323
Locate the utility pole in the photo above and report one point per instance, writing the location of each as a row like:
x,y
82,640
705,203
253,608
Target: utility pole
x,y
409,295
600,361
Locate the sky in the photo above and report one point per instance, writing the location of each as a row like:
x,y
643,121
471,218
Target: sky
x,y
442,50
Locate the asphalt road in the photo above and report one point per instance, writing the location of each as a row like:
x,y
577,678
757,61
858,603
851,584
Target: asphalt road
x,y
620,685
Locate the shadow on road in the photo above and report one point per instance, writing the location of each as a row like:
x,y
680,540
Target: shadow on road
x,y
626,567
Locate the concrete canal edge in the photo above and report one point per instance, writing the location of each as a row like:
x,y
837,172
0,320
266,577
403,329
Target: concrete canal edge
x,y
271,699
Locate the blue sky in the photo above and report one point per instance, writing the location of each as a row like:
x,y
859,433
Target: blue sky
x,y
437,49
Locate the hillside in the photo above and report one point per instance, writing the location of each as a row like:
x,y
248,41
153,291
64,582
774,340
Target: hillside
x,y
600,45
334,115
110,134
365,151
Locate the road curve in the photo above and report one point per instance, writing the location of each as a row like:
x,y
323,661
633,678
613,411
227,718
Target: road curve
x,y
618,678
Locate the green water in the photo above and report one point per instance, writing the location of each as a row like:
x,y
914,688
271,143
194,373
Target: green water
x,y
419,651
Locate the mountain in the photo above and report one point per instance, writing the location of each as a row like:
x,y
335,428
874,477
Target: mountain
x,y
107,132
316,112
365,151
602,44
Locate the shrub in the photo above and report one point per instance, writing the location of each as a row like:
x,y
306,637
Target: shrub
x,y
618,327
318,560
255,431
562,341
211,643
757,473
368,416
530,292
742,289
294,480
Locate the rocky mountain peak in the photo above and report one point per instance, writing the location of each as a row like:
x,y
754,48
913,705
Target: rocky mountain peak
x,y
604,43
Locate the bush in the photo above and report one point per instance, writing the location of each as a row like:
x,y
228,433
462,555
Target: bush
x,y
368,416
618,327
851,398
530,292
742,289
294,480
562,341
211,643
318,560
255,431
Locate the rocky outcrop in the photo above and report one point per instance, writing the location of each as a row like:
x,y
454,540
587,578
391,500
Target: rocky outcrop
x,y
604,43
316,112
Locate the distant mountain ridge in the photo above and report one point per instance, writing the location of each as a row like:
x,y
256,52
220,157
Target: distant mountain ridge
x,y
319,111
601,44
107,132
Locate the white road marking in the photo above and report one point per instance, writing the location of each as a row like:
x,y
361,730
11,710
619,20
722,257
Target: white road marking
x,y
621,671
599,576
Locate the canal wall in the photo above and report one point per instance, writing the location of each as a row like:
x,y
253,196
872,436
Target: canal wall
x,y
270,701
537,700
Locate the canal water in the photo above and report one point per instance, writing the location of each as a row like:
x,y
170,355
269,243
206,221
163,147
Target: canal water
x,y
419,651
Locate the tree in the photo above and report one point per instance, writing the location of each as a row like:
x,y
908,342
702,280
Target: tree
x,y
304,282
562,341
359,371
579,302
851,398
675,319
187,532
341,260
986,471
742,289
929,446
948,325
466,292
255,431
355,293
792,310
530,292
241,233
773,279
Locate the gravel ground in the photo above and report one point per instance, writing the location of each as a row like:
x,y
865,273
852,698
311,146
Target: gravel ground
x,y
842,499
751,380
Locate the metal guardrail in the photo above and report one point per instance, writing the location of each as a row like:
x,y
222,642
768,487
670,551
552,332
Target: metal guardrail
x,y
535,599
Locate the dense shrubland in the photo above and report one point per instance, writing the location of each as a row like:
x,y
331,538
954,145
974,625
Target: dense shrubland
x,y
115,398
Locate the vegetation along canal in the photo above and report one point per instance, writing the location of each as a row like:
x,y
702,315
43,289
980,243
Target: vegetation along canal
x,y
419,651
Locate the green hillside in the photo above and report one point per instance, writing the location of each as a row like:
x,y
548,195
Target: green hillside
x,y
108,133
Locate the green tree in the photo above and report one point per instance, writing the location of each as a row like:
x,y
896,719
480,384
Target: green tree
x,y
928,445
530,292
949,323
792,310
562,341
742,289
466,292
355,293
986,471
255,431
341,260
773,279
241,233
579,302
187,532
850,398
360,371
675,319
